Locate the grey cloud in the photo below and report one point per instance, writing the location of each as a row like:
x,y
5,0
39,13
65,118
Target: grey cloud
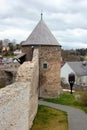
x,y
67,21
72,36
68,14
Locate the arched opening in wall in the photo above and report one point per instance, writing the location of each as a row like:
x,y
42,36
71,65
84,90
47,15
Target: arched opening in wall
x,y
9,78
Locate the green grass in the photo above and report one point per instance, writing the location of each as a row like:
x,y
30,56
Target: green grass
x,y
50,119
9,56
69,100
1,86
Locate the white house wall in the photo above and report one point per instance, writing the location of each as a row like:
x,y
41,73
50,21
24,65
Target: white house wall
x,y
65,71
81,80
84,80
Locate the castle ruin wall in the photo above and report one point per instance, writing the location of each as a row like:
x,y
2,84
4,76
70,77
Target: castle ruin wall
x,y
19,101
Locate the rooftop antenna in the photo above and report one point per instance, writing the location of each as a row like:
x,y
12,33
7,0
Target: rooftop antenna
x,y
41,15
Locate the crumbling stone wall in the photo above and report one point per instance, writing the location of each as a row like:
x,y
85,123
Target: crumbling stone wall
x,y
8,73
19,101
5,78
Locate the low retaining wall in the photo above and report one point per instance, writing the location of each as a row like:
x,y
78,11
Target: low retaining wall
x,y
79,88
19,101
75,87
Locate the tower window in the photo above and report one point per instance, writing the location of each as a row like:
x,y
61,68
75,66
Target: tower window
x,y
45,66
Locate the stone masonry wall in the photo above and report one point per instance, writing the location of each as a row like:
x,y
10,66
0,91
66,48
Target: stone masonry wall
x,y
19,101
50,77
5,78
75,87
28,50
7,73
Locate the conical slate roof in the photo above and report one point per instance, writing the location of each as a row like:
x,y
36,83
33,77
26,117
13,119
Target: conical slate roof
x,y
41,35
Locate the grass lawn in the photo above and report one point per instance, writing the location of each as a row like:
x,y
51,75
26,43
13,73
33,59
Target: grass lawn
x,y
1,86
70,100
50,119
9,56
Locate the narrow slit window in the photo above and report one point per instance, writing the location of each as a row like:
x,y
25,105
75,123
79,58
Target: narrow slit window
x,y
45,66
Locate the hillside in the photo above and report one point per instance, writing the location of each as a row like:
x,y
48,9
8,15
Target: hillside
x,y
71,55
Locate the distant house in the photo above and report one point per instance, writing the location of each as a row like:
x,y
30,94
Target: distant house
x,y
17,52
78,68
5,48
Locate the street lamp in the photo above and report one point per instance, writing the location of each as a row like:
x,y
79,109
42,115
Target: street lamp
x,y
71,79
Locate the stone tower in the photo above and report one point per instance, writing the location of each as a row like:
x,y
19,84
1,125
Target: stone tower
x,y
49,59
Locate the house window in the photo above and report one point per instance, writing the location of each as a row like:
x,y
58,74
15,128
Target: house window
x,y
45,66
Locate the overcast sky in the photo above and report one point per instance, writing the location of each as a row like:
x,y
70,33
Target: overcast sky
x,y
67,20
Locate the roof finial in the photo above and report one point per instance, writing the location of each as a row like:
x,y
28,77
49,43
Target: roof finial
x,y
41,15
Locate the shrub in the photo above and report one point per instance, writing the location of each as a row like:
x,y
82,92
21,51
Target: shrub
x,y
84,98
